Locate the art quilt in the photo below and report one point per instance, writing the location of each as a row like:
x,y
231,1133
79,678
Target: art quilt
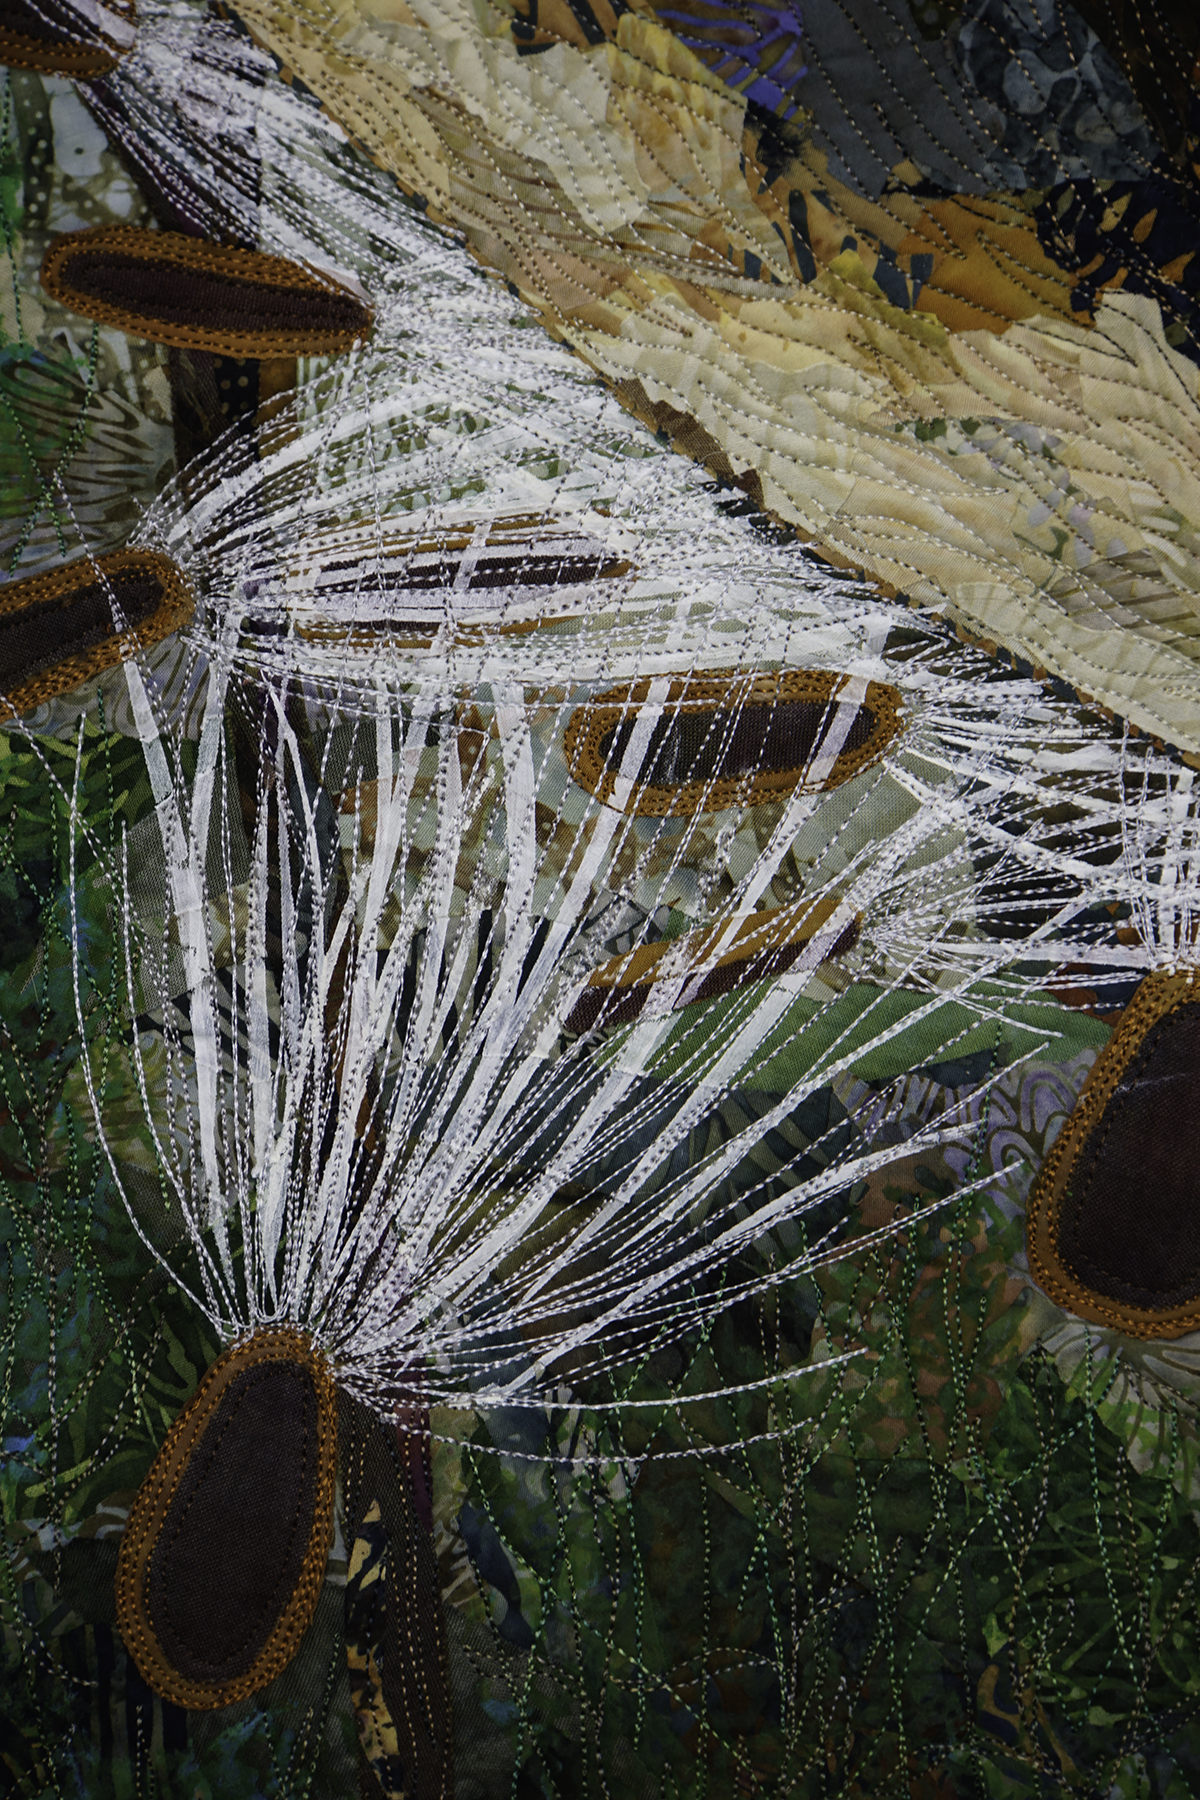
x,y
599,899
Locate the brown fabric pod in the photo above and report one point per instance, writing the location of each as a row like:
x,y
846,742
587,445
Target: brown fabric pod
x,y
57,630
1112,1225
223,1558
50,37
193,295
511,574
727,740
762,947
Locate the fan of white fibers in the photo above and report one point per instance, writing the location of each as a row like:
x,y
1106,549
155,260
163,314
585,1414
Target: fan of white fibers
x,y
1160,842
352,1051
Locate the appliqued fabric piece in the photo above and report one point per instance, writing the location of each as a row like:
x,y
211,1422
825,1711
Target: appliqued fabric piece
x,y
58,629
702,965
708,746
227,1540
55,37
396,1644
178,290
753,45
1114,1231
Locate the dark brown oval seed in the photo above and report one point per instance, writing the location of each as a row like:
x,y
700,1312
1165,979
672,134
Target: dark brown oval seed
x,y
719,744
730,740
63,628
188,293
244,1508
1130,1227
225,1550
1113,1229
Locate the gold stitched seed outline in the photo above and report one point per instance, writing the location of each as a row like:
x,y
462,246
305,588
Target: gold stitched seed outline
x,y
177,251
707,693
1158,995
277,1343
173,611
763,934
759,939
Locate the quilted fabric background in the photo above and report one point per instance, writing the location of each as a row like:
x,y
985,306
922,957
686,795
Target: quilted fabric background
x,y
600,882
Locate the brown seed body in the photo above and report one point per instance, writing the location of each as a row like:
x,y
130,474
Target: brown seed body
x,y
52,38
223,1558
1111,1222
58,630
193,295
763,947
509,573
728,740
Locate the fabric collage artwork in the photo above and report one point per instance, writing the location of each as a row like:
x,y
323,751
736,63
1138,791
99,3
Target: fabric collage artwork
x,y
600,860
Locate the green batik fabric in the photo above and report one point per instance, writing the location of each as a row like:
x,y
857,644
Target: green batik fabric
x,y
705,1422
87,414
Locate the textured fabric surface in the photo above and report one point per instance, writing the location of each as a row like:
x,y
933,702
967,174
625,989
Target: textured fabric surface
x,y
34,638
154,293
244,1506
885,320
1131,1231
57,38
597,1027
210,297
68,624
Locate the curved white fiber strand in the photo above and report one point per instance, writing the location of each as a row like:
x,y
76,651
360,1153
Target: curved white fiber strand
x,y
184,850
413,1286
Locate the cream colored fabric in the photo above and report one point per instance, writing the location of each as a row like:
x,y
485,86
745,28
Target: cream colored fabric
x,y
1040,482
